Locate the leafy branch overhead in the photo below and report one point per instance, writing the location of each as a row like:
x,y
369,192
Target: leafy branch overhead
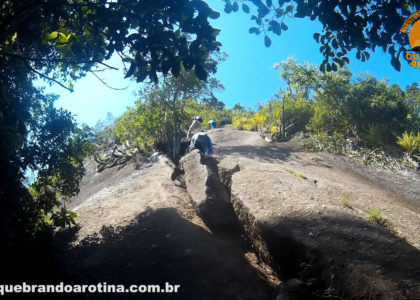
x,y
347,25
61,41
71,37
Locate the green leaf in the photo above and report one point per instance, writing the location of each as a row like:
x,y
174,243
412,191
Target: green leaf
x,y
142,74
235,6
228,7
214,14
284,26
200,73
329,68
395,62
130,70
289,8
267,41
275,27
280,13
262,11
188,63
62,39
254,30
322,67
245,8
339,61
216,32
301,10
176,68
52,35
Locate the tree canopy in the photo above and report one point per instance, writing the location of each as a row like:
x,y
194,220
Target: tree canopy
x,y
162,109
347,25
70,37
334,103
60,41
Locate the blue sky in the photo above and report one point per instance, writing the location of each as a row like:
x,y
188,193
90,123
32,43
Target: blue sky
x,y
247,74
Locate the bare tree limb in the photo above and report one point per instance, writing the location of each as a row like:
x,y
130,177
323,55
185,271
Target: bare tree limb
x,y
47,77
24,57
122,59
104,83
98,71
106,65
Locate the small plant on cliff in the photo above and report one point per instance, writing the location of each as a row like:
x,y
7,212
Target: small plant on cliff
x,y
300,175
374,135
345,201
375,216
409,142
289,171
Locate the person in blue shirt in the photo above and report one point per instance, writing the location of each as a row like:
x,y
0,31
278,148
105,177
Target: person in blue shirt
x,y
211,124
202,142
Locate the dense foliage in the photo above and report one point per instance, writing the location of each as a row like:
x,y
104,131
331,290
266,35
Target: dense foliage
x,y
347,25
164,112
61,41
334,106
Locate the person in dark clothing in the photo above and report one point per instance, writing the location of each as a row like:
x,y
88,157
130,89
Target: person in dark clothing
x,y
202,142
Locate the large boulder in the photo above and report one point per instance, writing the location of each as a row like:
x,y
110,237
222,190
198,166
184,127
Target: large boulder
x,y
208,195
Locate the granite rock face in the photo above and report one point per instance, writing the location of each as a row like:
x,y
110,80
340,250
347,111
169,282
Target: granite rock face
x,y
307,216
208,195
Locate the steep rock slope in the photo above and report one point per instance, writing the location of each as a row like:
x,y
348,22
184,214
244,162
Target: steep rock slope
x,y
306,214
304,217
139,227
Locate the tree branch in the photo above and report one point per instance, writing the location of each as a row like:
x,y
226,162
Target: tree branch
x,y
122,59
111,67
47,77
104,83
24,57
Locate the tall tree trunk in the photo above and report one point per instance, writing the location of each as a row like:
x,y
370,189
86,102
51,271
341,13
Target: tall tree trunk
x,y
184,100
175,119
283,133
167,142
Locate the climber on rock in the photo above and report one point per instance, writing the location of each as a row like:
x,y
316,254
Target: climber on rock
x,y
211,124
202,142
195,126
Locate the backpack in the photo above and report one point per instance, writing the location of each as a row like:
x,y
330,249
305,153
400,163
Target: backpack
x,y
199,141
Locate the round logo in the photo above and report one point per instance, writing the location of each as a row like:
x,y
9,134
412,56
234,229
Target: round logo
x,y
414,37
411,27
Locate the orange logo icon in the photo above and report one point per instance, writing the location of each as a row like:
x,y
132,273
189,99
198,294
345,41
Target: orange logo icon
x,y
414,37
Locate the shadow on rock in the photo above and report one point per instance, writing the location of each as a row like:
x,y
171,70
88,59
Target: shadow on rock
x,y
208,195
358,259
161,246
